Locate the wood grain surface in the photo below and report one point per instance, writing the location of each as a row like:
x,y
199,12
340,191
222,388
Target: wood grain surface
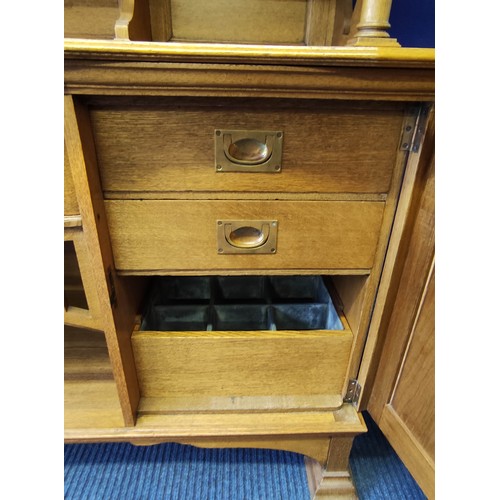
x,y
90,395
207,404
70,201
182,235
402,401
92,19
135,73
326,20
116,319
363,57
237,427
418,372
82,305
316,448
231,366
259,21
168,145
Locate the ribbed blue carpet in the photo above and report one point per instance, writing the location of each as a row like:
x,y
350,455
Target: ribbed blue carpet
x,y
180,472
376,469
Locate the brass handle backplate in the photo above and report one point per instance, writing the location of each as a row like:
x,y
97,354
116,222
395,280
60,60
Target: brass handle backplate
x,y
248,151
247,236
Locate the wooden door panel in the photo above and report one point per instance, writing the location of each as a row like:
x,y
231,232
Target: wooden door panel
x,y
402,399
407,419
417,371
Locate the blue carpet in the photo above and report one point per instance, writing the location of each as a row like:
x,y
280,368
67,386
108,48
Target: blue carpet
x,y
179,472
172,471
377,471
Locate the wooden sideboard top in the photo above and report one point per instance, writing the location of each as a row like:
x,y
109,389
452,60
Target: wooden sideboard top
x,y
246,53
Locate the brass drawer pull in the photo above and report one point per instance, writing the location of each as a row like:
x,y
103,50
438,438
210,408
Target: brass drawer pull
x,y
248,151
246,236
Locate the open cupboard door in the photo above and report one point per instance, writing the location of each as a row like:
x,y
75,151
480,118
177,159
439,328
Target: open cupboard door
x,y
401,399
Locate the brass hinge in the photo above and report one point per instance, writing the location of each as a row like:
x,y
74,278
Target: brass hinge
x,y
353,392
414,128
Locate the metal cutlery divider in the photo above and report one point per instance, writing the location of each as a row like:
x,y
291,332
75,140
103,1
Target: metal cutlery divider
x,y
238,303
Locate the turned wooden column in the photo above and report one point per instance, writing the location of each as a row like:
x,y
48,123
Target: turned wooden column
x,y
373,25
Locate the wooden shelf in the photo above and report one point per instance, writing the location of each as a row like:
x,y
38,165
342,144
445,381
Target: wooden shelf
x,y
317,423
308,433
90,395
195,426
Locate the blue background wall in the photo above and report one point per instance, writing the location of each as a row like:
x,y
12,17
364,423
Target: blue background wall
x,y
412,22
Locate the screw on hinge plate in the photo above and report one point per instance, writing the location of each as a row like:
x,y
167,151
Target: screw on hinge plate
x,y
420,127
413,130
407,138
112,290
353,392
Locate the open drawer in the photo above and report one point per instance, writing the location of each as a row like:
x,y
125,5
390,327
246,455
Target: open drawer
x,y
241,343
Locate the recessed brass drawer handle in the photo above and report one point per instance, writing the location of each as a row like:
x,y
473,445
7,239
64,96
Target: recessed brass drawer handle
x,y
246,236
248,151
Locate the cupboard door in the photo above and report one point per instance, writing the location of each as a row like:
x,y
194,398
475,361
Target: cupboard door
x,y
402,399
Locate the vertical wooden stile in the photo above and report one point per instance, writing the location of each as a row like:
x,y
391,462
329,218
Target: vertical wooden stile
x,y
117,319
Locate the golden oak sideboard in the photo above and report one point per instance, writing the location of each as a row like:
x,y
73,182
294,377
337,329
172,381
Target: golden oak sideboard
x,y
236,223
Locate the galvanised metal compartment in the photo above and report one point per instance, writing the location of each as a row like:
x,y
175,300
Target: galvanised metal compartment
x,y
240,303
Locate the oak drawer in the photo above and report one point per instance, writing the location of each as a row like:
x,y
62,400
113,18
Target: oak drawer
x,y
169,145
182,235
288,360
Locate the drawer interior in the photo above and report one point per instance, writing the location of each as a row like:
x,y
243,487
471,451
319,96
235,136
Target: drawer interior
x,y
241,343
213,303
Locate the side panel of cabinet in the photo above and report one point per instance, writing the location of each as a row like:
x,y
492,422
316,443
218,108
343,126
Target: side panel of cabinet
x,y
117,302
402,399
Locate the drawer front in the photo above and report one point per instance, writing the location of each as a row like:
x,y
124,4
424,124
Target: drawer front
x,y
326,147
266,342
241,371
182,235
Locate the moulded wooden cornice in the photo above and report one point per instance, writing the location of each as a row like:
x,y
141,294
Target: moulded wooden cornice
x,y
137,68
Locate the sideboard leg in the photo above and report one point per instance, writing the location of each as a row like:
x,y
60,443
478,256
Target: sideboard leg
x,y
333,480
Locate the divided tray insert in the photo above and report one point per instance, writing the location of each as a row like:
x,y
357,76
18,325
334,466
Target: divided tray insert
x,y
237,303
241,343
